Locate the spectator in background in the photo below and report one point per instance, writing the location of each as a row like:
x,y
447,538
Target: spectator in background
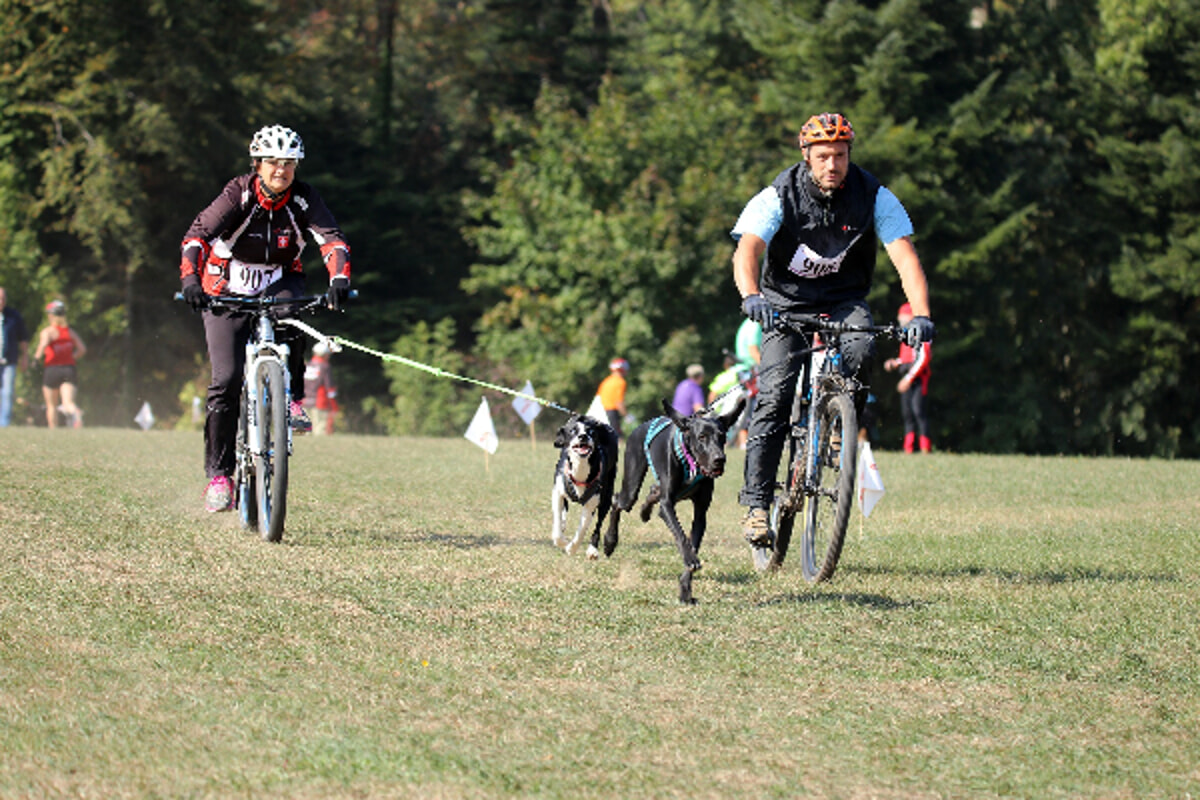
x,y
689,393
726,379
14,351
914,366
722,395
320,393
747,343
612,392
61,346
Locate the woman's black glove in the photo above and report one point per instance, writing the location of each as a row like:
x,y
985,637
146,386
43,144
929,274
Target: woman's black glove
x,y
193,293
339,292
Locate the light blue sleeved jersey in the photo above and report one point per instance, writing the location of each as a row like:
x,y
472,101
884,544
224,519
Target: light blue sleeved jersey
x,y
763,215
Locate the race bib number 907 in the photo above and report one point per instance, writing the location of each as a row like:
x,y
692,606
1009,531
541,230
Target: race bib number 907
x,y
251,279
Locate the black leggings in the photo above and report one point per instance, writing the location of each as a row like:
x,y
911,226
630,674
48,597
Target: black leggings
x,y
914,407
227,333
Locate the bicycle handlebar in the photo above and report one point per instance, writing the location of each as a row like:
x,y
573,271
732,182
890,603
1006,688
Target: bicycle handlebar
x,y
263,301
814,322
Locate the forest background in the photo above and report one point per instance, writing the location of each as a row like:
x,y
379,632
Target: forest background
x,y
531,187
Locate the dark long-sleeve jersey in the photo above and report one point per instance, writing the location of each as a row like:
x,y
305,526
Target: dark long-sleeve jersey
x,y
245,226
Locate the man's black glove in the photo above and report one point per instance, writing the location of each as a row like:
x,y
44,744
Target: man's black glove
x,y
339,292
758,309
918,330
193,293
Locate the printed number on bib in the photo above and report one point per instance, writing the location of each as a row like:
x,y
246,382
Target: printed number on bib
x,y
251,279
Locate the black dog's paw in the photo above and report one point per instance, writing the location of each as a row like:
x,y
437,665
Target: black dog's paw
x,y
685,588
610,544
651,500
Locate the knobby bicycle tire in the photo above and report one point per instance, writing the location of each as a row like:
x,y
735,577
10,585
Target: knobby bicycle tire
x,y
827,511
271,463
784,509
243,479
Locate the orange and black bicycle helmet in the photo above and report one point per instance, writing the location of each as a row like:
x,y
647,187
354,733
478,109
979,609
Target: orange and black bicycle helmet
x,y
823,128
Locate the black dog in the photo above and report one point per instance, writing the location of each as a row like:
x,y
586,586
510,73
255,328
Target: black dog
x,y
586,474
685,454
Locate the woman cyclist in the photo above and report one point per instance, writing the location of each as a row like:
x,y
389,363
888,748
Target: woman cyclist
x,y
247,243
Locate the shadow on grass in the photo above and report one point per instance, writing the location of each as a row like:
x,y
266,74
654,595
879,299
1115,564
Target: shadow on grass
x,y
879,602
457,541
1046,578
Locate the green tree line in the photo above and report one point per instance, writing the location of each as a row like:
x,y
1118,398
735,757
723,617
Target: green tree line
x,y
531,187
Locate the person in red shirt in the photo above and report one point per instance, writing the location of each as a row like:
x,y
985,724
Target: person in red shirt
x,y
60,345
914,363
320,393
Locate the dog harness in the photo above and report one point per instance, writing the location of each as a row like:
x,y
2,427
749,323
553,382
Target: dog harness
x,y
692,474
589,487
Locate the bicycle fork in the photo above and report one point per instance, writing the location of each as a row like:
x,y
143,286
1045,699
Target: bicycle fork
x,y
258,353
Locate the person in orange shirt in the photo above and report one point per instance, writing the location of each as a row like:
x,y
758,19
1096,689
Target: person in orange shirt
x,y
61,346
612,393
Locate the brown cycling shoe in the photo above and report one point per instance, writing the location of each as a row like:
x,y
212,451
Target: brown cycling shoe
x,y
756,527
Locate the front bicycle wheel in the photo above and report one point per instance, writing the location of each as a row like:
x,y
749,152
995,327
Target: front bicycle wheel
x,y
827,510
271,462
243,474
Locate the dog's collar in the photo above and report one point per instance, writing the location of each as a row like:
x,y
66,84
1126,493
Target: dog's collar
x,y
587,486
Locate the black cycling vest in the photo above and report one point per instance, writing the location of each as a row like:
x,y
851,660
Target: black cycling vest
x,y
824,252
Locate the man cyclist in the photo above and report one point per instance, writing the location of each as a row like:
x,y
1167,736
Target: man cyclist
x,y
247,242
817,225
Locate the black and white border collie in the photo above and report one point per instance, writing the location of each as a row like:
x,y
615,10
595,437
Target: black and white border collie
x,y
586,474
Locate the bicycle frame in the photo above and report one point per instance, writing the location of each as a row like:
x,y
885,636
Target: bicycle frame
x,y
821,466
819,376
262,347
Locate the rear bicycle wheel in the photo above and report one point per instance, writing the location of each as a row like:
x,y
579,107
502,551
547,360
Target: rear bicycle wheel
x,y
827,511
243,473
271,462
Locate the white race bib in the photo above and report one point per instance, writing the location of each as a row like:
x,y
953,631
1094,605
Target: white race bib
x,y
250,280
808,263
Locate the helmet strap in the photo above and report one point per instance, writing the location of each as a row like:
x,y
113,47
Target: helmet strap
x,y
262,185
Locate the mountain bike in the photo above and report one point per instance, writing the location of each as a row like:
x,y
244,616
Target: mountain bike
x,y
822,452
264,432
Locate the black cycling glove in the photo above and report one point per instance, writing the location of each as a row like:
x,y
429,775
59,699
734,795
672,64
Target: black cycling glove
x,y
918,330
339,292
757,308
193,293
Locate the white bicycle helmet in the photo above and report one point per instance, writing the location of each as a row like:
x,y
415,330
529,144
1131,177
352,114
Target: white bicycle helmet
x,y
276,141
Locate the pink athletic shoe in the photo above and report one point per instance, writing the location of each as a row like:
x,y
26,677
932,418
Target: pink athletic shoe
x,y
219,494
300,421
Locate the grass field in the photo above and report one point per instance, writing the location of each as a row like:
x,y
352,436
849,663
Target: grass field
x,y
999,627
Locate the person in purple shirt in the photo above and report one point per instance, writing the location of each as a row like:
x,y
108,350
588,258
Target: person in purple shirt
x,y
689,394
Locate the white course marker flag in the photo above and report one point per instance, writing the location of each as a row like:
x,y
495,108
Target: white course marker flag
x,y
870,484
596,411
527,409
481,431
145,417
